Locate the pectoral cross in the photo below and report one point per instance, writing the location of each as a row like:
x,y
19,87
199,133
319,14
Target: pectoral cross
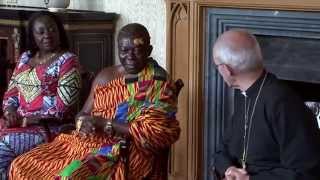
x,y
243,164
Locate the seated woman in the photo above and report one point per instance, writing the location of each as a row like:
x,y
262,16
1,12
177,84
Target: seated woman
x,y
42,91
135,101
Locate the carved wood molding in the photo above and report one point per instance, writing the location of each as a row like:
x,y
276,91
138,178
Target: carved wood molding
x,y
16,37
305,5
186,156
185,47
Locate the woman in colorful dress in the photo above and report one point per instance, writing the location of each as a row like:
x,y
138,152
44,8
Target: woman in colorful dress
x,y
42,91
133,102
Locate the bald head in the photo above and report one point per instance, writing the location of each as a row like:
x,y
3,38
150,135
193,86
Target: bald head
x,y
238,49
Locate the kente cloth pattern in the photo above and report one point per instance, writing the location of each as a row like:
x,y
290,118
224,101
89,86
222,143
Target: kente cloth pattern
x,y
146,93
151,97
48,90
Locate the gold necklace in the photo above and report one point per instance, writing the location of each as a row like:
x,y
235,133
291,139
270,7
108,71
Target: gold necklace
x,y
248,123
45,59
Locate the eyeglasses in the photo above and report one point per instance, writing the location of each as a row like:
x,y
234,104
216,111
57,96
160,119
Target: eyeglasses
x,y
217,65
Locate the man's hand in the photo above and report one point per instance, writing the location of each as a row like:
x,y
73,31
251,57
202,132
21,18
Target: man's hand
x,y
85,124
233,173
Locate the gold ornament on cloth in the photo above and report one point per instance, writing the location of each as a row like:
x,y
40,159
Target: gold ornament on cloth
x,y
138,41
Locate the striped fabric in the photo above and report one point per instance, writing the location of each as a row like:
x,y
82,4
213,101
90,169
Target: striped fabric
x,y
16,142
150,111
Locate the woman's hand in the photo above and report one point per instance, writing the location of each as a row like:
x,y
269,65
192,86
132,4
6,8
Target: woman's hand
x,y
12,117
27,121
37,120
2,124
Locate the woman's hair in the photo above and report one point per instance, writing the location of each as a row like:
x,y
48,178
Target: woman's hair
x,y
31,44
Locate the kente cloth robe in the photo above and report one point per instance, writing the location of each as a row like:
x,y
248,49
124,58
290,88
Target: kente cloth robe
x,y
152,132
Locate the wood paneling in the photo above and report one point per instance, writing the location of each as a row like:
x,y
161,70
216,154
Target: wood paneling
x,y
185,155
8,53
180,12
185,58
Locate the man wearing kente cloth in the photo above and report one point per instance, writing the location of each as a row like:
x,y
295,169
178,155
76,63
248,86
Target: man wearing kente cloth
x,y
134,103
272,135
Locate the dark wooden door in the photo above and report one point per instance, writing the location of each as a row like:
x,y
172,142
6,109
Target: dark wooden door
x,y
95,49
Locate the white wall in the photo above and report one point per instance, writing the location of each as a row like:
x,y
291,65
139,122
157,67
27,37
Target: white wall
x,y
150,13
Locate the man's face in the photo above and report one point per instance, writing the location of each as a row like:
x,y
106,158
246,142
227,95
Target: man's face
x,y
133,53
46,34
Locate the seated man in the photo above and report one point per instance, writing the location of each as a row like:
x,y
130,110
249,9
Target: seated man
x,y
134,101
273,135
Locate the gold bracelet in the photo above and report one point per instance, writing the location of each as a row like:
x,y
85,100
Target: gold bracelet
x,y
78,124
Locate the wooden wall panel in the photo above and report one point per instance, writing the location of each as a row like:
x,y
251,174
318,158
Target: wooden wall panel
x,y
180,30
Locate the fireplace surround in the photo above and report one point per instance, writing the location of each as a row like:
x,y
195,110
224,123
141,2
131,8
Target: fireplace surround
x,y
290,43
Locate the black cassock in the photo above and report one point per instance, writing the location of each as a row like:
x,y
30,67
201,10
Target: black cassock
x,y
284,142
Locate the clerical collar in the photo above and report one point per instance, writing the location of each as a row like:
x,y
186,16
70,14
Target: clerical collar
x,y
253,89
